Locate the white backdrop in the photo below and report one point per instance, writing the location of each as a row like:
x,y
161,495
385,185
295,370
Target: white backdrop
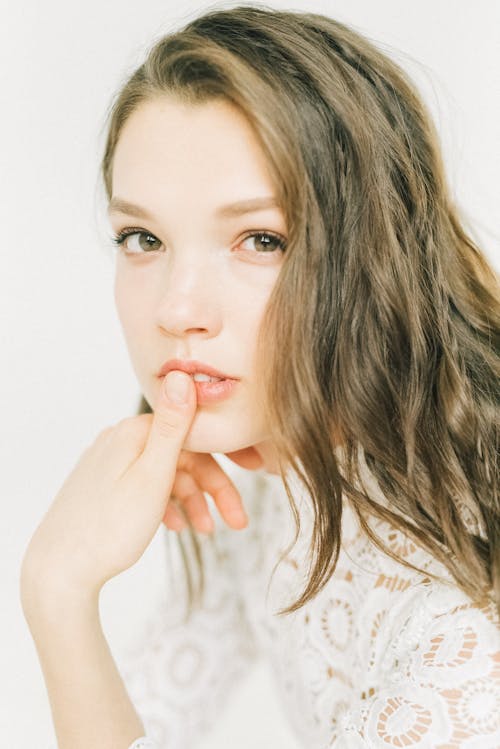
x,y
65,370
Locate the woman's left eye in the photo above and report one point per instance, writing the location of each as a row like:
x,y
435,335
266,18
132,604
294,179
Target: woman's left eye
x,y
268,242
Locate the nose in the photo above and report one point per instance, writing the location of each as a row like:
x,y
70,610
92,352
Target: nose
x,y
189,299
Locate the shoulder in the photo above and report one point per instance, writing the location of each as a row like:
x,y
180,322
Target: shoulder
x,y
438,681
428,657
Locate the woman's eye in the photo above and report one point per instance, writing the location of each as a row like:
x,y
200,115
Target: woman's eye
x,y
265,242
139,242
136,242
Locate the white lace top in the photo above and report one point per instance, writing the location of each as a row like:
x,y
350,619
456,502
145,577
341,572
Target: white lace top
x,y
381,657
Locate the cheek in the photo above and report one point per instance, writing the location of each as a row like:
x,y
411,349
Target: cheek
x,y
247,324
121,296
131,301
133,315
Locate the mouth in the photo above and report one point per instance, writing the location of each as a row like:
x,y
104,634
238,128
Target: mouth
x,y
194,367
213,390
212,385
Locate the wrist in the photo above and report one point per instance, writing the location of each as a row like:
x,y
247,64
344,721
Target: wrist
x,y
52,597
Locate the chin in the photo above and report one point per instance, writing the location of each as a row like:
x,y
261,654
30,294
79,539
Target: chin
x,y
217,439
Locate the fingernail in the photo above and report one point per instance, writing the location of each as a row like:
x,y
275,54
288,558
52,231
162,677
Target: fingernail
x,y
177,386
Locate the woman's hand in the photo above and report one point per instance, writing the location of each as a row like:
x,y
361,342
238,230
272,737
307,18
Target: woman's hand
x,y
198,473
112,503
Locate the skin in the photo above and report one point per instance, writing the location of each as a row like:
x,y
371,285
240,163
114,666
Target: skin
x,y
192,286
203,298
100,523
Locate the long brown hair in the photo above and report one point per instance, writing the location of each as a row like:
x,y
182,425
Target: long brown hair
x,y
389,309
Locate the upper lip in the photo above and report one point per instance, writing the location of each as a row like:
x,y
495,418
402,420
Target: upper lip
x,y
191,366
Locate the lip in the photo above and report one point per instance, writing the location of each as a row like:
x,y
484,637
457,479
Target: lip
x,y
206,392
191,366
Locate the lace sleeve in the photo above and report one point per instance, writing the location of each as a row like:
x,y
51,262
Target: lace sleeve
x,y
439,682
179,673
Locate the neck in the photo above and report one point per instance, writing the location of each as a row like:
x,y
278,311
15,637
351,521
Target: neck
x,y
269,456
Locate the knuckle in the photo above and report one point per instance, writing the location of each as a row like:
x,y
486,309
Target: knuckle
x,y
104,432
127,422
130,426
130,430
192,500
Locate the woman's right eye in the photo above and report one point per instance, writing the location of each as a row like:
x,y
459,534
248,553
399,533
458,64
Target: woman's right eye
x,y
136,241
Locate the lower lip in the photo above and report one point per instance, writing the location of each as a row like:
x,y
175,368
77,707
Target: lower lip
x,y
213,392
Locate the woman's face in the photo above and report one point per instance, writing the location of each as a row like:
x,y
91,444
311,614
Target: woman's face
x,y
194,284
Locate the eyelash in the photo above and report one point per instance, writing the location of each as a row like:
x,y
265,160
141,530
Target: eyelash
x,y
119,239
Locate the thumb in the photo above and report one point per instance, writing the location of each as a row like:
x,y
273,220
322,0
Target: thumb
x,y
172,419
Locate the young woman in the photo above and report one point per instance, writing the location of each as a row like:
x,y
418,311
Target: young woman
x,y
297,293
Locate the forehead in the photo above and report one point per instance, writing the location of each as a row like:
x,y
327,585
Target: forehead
x,y
203,148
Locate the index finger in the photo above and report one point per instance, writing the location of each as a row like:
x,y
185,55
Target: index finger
x,y
212,479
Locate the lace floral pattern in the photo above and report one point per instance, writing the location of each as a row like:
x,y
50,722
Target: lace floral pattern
x,y
383,656
179,675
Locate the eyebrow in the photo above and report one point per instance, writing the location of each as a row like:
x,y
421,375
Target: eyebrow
x,y
118,205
